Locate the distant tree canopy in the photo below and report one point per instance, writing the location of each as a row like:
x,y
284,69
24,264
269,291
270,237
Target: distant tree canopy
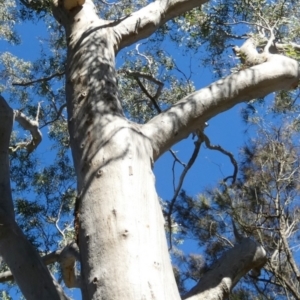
x,y
261,197
263,203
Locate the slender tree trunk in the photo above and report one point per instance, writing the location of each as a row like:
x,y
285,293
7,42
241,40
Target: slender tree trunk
x,y
28,269
120,225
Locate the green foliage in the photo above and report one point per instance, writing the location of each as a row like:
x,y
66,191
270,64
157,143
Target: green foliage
x,y
8,14
292,52
5,296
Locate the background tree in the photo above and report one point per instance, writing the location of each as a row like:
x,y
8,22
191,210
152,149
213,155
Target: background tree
x,y
263,202
118,226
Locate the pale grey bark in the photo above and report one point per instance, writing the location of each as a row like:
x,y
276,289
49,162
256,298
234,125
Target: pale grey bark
x,y
283,47
33,127
29,272
147,20
67,260
225,274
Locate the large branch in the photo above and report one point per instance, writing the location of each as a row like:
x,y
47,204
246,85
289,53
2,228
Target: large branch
x,y
277,73
236,262
33,127
147,20
31,275
66,257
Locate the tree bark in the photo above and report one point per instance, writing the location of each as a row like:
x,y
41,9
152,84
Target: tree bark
x,y
30,273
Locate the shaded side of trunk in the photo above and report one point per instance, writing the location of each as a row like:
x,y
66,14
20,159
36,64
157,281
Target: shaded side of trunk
x,y
30,273
120,225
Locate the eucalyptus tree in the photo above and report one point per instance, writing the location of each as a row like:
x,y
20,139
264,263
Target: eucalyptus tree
x,y
270,186
119,225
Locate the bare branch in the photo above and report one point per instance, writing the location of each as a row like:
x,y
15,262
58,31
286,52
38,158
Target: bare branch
x,y
154,99
150,78
284,281
136,76
149,60
234,264
271,40
224,239
47,78
176,159
33,127
227,153
247,23
58,114
57,221
289,254
179,186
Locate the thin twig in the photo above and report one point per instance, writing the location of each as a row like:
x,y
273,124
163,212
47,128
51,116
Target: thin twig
x,y
114,3
176,159
220,149
59,112
136,75
148,95
181,179
247,23
143,55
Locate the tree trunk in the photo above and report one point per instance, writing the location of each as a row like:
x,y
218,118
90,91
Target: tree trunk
x,y
28,269
119,221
